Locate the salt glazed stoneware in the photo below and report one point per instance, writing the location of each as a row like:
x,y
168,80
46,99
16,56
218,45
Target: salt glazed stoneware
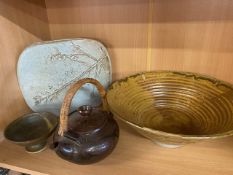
x,y
47,69
174,108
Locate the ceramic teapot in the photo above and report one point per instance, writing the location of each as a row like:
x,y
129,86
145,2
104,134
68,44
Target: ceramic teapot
x,y
88,134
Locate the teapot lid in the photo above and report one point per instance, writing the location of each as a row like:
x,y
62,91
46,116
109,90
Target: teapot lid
x,y
87,119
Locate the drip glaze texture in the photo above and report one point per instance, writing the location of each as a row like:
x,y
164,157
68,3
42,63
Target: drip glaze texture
x,y
174,108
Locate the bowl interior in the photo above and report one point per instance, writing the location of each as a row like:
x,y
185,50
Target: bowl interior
x,y
174,102
30,127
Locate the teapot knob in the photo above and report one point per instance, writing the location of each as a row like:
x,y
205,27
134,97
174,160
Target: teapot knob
x,y
68,99
85,110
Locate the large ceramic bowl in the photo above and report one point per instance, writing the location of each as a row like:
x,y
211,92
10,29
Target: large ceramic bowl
x,y
174,108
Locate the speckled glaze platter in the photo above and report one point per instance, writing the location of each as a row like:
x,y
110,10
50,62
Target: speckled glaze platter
x,y
46,70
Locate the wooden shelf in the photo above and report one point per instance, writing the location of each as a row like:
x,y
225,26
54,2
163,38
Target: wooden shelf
x,y
133,155
183,35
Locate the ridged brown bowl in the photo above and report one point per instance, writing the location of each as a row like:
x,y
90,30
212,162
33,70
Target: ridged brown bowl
x,y
174,108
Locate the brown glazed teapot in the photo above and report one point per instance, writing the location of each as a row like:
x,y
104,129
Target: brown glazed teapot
x,y
90,133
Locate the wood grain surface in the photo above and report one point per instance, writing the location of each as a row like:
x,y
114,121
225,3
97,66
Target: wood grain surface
x,y
133,155
193,35
18,29
189,35
120,25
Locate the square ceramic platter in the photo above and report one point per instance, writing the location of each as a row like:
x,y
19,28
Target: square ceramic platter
x,y
46,70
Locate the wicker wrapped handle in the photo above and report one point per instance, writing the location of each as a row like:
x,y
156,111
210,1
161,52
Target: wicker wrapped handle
x,y
68,99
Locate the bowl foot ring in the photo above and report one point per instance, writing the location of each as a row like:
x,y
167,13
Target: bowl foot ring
x,y
36,148
165,145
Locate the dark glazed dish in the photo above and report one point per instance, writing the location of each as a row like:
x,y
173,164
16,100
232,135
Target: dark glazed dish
x,y
90,133
32,130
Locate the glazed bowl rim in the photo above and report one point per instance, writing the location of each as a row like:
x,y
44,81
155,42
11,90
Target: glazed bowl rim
x,y
163,133
36,140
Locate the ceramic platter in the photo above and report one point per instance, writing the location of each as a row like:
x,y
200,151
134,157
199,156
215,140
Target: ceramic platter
x,y
46,71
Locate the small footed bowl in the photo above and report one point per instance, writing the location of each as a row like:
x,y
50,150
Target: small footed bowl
x,y
32,130
174,108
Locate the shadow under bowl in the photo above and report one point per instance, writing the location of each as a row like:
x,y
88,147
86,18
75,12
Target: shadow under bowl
x,y
32,130
174,108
